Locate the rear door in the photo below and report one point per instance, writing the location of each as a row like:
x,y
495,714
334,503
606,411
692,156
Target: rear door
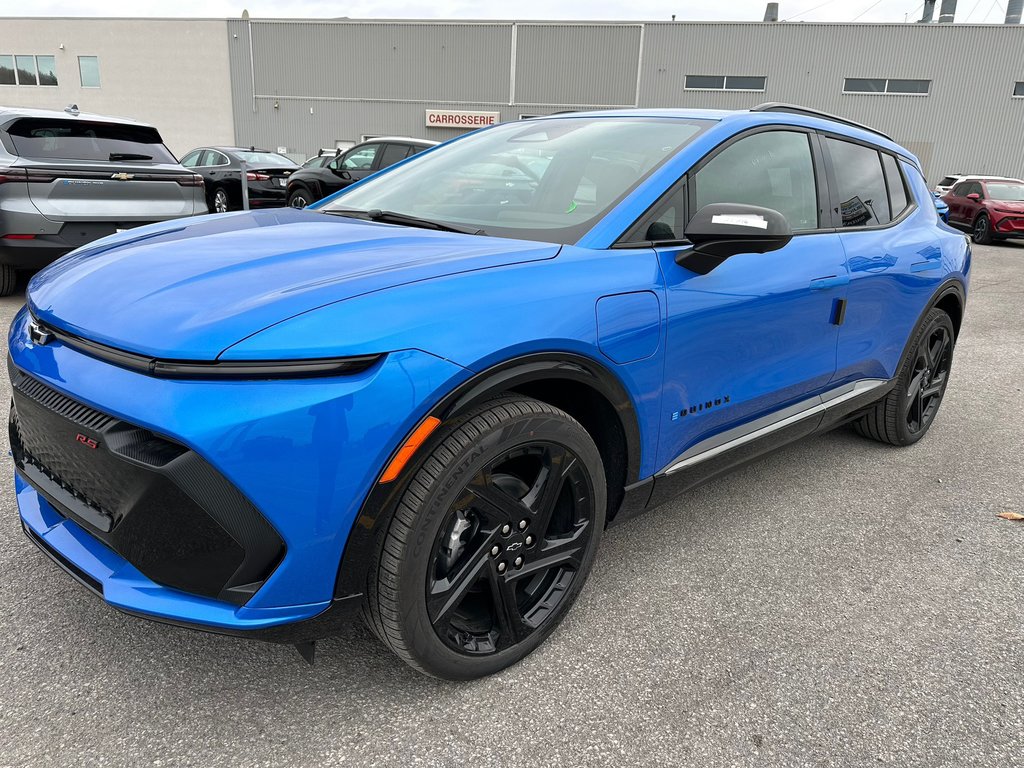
x,y
971,208
886,220
955,199
391,154
81,171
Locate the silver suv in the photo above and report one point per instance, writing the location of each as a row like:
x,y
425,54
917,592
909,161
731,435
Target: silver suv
x,y
68,178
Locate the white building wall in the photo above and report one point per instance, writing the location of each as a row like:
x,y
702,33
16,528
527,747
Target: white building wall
x,y
172,73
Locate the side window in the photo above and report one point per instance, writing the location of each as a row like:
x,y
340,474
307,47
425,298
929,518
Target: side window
x,y
206,158
978,189
772,169
415,150
392,154
665,221
958,190
217,158
863,200
360,159
191,160
898,199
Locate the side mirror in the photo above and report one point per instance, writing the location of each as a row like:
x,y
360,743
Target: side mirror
x,y
974,196
721,230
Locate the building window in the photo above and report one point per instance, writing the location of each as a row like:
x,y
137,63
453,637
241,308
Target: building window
x,y
25,66
89,69
7,70
725,83
27,70
884,85
47,66
1018,87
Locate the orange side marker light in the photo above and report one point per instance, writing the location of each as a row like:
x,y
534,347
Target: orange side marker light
x,y
416,439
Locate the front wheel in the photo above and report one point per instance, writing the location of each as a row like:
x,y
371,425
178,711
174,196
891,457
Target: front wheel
x,y
221,204
982,232
904,415
490,542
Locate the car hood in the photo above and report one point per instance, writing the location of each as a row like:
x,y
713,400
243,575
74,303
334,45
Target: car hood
x,y
1009,205
189,289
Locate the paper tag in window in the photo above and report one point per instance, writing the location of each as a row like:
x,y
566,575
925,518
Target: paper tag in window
x,y
741,220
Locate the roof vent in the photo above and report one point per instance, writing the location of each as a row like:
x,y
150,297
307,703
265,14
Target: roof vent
x,y
1013,11
928,15
72,109
947,11
771,12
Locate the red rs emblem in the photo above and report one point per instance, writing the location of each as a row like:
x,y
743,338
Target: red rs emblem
x,y
86,441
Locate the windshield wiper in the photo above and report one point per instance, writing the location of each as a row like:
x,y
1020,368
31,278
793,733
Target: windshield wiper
x,y
394,217
115,156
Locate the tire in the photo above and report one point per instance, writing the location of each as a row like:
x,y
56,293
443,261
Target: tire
x,y
8,279
981,233
904,415
300,198
460,589
220,203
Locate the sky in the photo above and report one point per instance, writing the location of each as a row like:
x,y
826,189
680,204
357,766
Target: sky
x,y
973,11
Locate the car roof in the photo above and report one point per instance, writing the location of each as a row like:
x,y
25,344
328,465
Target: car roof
x,y
403,139
739,120
7,113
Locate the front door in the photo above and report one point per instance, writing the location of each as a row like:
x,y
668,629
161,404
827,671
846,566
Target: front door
x,y
757,334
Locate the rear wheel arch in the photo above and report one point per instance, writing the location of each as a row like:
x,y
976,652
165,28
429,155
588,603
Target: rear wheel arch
x,y
582,387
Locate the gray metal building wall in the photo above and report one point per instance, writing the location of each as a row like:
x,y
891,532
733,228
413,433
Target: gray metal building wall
x,y
307,84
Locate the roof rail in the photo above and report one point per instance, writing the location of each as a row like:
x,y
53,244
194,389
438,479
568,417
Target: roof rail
x,y
796,109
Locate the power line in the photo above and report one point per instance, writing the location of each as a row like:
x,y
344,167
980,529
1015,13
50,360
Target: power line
x,y
822,5
865,10
973,10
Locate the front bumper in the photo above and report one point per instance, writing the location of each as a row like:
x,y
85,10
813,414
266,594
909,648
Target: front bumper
x,y
304,453
1008,225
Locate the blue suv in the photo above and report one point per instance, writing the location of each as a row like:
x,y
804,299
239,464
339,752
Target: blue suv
x,y
424,399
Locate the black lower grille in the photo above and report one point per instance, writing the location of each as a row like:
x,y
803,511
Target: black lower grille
x,y
153,501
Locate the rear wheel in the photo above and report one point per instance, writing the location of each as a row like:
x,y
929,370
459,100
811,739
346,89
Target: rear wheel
x,y
982,232
904,415
300,198
8,279
490,542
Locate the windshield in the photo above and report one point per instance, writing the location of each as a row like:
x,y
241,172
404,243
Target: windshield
x,y
1007,192
263,158
548,180
44,137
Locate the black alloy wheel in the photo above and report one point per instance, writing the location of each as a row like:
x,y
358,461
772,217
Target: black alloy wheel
x,y
491,540
513,542
904,415
299,198
930,374
982,232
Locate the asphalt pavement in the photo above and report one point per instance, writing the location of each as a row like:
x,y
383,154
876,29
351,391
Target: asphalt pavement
x,y
838,603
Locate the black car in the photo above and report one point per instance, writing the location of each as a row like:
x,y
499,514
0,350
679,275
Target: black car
x,y
326,173
267,173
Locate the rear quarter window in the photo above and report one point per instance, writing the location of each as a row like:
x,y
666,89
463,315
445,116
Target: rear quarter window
x,y
50,138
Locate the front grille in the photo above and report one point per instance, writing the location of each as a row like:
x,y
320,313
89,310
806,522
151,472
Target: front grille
x,y
152,500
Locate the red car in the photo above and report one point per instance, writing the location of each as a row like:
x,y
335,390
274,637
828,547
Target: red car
x,y
992,209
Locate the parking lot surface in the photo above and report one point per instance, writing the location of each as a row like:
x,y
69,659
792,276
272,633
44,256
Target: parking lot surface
x,y
838,603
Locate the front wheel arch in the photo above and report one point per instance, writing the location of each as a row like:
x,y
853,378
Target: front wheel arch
x,y
556,378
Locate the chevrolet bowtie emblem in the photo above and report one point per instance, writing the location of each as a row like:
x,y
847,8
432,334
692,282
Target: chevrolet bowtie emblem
x,y
123,176
38,335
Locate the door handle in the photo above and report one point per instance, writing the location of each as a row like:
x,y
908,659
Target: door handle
x,y
832,281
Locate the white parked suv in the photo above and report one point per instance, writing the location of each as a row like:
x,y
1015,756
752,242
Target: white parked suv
x,y
68,178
